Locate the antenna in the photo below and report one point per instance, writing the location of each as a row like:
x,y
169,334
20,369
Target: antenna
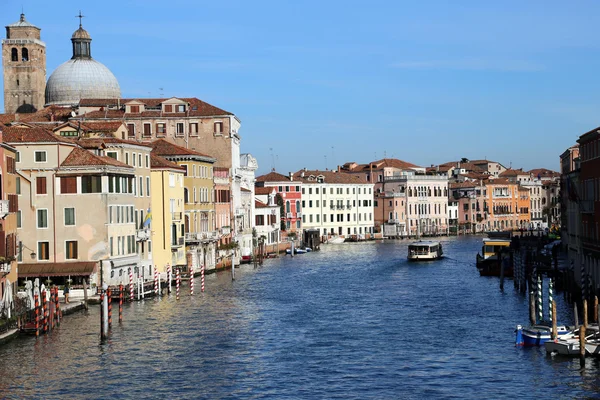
x,y
272,159
161,92
325,162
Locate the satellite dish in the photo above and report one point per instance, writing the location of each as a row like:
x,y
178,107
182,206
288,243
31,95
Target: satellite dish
x,y
73,114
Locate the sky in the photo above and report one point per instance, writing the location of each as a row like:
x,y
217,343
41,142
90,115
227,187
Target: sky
x,y
320,83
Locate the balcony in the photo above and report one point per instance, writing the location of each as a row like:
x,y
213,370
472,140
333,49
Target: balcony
x,y
3,208
299,215
5,268
142,235
176,242
225,230
176,216
289,215
192,237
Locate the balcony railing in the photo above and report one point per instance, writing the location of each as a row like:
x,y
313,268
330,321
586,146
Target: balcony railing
x,y
299,215
176,216
142,234
180,241
5,268
225,230
3,208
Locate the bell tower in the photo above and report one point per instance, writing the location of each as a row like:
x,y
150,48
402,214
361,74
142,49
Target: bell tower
x,y
24,67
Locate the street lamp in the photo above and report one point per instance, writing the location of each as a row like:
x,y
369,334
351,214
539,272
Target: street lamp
x,y
21,245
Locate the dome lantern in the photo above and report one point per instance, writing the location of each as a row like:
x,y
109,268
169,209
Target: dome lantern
x,y
81,40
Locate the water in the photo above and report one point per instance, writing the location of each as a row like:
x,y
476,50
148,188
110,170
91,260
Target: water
x,y
353,321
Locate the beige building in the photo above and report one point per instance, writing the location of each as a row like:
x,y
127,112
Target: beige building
x,y
76,210
201,235
167,221
9,205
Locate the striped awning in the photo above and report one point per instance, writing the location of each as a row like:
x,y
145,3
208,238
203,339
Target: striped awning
x,y
83,268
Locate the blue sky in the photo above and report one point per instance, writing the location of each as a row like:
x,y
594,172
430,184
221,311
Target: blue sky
x,y
320,83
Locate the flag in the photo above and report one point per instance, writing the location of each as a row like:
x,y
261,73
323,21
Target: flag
x,y
148,218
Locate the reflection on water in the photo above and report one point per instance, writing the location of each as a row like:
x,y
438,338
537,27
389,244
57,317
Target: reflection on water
x,y
351,321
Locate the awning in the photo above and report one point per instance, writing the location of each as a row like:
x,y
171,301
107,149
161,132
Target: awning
x,y
56,269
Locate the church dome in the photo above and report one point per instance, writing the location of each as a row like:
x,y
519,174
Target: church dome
x,y
81,77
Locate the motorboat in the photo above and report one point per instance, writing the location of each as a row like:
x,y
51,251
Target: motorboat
x,y
538,334
336,240
489,261
424,250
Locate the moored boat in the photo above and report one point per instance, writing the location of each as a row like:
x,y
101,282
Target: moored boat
x,y
538,334
424,250
489,261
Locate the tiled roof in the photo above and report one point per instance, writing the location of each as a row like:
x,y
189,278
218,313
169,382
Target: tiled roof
x,y
260,204
112,114
463,185
81,158
499,181
198,108
468,166
393,163
513,172
164,148
273,177
95,143
47,114
543,172
157,162
245,190
15,134
481,161
328,177
258,190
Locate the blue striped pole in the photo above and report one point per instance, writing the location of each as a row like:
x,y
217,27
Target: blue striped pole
x,y
550,298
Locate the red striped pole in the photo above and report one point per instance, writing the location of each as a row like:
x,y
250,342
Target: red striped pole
x,y
191,280
131,285
37,315
155,280
178,283
169,278
56,306
109,298
121,303
202,278
44,312
52,311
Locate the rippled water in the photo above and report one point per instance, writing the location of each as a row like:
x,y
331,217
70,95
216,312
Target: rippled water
x,y
352,321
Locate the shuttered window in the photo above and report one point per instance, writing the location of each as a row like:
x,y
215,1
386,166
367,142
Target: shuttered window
x,y
71,249
68,184
40,184
43,250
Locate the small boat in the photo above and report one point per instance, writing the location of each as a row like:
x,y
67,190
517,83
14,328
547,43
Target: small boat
x,y
298,250
538,334
488,262
336,240
592,347
424,250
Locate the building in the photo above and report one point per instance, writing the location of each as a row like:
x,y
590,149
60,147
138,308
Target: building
x,y
470,199
335,203
167,224
9,219
506,205
290,195
201,235
267,217
24,68
571,230
76,210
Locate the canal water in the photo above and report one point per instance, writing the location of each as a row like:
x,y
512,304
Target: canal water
x,y
353,321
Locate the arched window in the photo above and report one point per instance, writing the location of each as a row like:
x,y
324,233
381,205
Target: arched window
x,y
25,54
186,198
297,206
287,207
14,54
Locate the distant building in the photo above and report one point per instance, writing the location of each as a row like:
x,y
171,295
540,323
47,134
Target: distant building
x,y
289,190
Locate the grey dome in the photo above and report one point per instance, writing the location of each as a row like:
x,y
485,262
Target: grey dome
x,y
81,78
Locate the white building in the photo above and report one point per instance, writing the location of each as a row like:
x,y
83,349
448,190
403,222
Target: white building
x,y
245,212
267,216
336,203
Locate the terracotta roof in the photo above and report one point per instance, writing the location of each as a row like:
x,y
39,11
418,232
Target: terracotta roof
x,y
258,190
96,143
198,108
482,161
513,172
81,158
463,185
543,172
157,162
328,177
468,166
15,134
47,114
164,148
394,163
499,181
273,177
245,190
260,204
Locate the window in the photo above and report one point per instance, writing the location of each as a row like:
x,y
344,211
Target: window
x,y
42,218
71,249
180,130
112,154
25,54
193,129
69,216
43,252
140,160
218,128
180,108
168,108
161,129
40,156
68,184
147,161
131,128
19,219
148,186
40,185
126,158
134,109
14,54
18,181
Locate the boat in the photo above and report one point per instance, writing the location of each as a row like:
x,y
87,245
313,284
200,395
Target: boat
x,y
424,250
298,250
538,334
336,240
488,262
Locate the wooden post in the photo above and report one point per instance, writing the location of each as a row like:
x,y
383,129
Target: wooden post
x,y
585,313
582,346
596,309
575,314
532,307
102,329
85,296
554,328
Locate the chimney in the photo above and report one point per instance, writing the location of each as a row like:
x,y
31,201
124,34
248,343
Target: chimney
x,y
291,176
302,174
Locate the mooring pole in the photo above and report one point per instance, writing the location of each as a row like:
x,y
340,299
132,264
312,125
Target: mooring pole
x,y
582,346
121,303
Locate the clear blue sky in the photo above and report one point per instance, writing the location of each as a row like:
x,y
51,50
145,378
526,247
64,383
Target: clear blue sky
x,y
326,82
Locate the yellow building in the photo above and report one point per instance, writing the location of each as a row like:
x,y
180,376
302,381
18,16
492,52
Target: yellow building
x,y
8,219
201,235
166,215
